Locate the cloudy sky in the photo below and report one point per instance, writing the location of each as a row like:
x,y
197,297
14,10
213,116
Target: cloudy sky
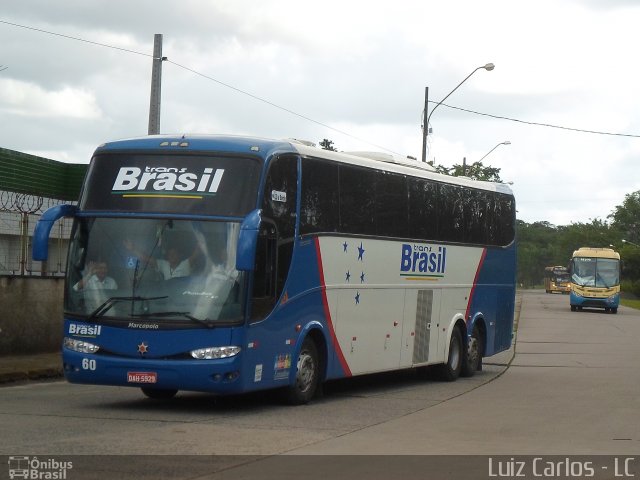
x,y
351,71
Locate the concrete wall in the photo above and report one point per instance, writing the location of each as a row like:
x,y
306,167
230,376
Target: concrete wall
x,y
30,314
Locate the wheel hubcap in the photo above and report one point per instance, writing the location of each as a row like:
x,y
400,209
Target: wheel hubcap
x,y
306,371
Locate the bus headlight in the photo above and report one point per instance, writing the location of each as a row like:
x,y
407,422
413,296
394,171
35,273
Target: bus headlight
x,y
612,299
79,345
211,353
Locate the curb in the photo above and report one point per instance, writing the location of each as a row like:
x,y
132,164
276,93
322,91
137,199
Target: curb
x,y
36,374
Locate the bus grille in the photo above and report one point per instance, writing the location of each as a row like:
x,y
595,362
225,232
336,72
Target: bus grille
x,y
423,326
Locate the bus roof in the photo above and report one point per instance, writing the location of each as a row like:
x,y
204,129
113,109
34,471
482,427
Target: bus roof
x,y
596,252
265,148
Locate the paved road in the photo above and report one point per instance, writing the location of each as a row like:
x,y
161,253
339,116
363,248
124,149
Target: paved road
x,y
572,388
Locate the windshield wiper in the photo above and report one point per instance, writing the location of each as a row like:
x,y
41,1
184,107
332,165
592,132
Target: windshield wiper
x,y
111,301
206,322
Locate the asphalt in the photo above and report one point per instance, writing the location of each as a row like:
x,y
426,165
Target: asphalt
x,y
19,368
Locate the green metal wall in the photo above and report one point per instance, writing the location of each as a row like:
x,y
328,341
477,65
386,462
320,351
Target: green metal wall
x,y
24,173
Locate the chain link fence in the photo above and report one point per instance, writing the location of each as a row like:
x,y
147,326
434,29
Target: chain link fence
x,y
19,213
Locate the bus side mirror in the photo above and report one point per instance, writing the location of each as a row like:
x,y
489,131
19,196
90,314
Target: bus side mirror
x,y
248,241
43,228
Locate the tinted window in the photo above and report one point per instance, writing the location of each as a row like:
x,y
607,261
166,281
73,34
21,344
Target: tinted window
x,y
279,202
423,209
357,200
391,205
319,210
279,206
451,224
350,199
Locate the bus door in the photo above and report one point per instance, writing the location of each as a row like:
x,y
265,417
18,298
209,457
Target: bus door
x,y
421,327
273,259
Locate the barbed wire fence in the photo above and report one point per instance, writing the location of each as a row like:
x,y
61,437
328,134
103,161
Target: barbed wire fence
x,y
19,213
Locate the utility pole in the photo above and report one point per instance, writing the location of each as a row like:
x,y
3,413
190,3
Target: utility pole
x,y
156,85
425,127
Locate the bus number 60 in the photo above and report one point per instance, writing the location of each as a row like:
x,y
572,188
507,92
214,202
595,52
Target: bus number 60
x,y
88,364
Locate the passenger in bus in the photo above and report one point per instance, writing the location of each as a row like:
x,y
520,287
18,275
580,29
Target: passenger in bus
x,y
96,278
173,265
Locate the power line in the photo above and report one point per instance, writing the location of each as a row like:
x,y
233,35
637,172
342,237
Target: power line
x,y
208,77
304,117
284,109
78,39
539,124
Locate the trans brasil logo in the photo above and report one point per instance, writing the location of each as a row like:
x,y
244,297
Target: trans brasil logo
x,y
161,180
423,261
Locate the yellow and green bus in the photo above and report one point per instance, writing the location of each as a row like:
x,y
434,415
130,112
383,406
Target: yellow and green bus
x,y
595,279
557,280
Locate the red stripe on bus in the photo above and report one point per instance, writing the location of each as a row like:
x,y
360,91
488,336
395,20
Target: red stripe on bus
x,y
327,313
475,282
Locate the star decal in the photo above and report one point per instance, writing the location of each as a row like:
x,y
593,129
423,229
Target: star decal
x,y
357,298
347,277
143,348
344,246
360,252
362,277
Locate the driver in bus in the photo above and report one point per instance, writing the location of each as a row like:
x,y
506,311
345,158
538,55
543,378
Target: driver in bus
x,y
174,265
96,278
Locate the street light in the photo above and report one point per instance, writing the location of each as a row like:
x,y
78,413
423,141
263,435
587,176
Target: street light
x,y
506,142
630,243
488,67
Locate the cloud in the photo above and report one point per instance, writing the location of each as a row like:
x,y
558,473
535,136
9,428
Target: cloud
x,y
29,100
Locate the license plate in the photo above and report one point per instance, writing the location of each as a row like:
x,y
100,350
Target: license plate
x,y
142,377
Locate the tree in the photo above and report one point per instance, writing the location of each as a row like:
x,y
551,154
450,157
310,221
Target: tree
x,y
327,144
626,217
476,171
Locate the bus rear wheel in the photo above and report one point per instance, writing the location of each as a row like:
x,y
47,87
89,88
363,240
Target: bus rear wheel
x,y
450,371
473,358
307,375
159,394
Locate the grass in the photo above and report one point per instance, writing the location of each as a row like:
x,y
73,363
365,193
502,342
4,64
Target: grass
x,y
633,303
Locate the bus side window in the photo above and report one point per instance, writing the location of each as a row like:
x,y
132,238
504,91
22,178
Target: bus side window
x,y
264,286
279,215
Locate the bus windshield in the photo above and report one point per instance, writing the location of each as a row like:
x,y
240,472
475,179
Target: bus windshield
x,y
175,272
596,272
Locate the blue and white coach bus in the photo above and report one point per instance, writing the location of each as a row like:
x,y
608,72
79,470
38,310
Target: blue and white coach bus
x,y
229,264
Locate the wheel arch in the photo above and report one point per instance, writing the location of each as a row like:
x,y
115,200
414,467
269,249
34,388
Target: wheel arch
x,y
478,321
316,331
456,322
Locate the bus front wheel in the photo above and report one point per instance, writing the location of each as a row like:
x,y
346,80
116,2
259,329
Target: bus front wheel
x,y
307,375
450,371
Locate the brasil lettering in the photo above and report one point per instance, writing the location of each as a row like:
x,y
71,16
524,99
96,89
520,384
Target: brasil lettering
x,y
167,179
423,260
84,330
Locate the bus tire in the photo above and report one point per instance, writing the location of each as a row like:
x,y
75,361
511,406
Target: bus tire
x,y
450,371
473,358
614,309
159,394
573,308
307,375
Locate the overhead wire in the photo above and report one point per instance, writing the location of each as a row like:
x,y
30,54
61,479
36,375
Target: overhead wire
x,y
305,117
